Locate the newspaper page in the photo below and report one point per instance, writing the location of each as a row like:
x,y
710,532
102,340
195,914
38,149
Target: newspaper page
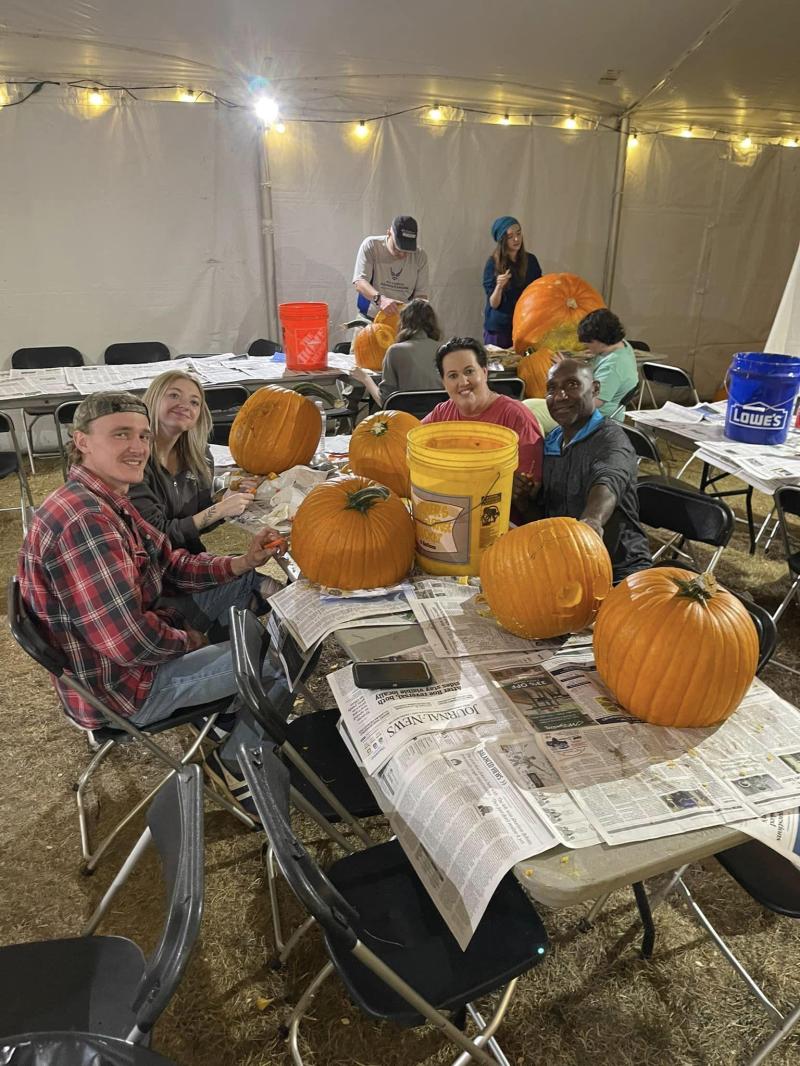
x,y
285,649
463,826
380,721
309,619
779,831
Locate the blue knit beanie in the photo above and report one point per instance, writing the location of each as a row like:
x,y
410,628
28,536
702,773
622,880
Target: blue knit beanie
x,y
500,225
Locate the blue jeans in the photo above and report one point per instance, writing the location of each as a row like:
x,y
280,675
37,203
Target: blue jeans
x,y
206,674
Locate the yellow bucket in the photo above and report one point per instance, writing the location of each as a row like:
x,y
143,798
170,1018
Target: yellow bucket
x,y
461,477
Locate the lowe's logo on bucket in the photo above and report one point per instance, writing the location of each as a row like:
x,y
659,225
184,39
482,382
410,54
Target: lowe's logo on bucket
x,y
759,415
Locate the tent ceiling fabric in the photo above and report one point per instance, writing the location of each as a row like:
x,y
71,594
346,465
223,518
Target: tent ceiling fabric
x,y
345,56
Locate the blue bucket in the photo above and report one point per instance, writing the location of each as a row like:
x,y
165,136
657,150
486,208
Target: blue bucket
x,y
761,393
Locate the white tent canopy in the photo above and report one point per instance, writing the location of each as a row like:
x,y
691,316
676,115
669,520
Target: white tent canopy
x,y
144,217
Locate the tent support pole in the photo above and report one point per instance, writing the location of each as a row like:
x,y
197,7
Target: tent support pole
x,y
610,267
268,239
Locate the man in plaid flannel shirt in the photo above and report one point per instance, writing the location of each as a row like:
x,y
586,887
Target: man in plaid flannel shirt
x,y
91,572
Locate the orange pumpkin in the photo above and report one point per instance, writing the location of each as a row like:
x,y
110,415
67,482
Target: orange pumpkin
x,y
370,344
533,368
350,533
675,648
546,578
549,310
273,430
378,449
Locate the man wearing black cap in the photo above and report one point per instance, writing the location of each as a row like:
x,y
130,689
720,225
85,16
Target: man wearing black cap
x,y
391,270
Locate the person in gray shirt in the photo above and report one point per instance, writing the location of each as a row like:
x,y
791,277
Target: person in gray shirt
x,y
409,363
589,470
391,269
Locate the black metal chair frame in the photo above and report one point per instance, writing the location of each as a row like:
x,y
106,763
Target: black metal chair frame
x,y
626,399
645,447
33,974
674,377
680,512
371,959
38,359
263,349
418,402
14,464
224,402
119,730
125,352
787,502
65,413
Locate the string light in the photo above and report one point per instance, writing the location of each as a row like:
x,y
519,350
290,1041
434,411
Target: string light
x,y
188,96
633,140
361,130
571,123
688,132
746,142
505,120
279,127
435,113
792,142
96,98
267,109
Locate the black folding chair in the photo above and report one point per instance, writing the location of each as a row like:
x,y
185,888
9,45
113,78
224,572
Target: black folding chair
x,y
513,387
103,984
787,502
136,352
418,403
383,935
640,346
689,515
78,1049
626,399
11,463
663,374
224,403
119,730
47,358
645,447
264,348
65,416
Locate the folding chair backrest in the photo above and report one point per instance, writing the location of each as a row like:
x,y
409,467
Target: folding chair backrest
x,y
787,502
263,348
225,398
136,352
247,653
27,635
644,446
513,387
639,346
418,403
690,514
664,374
175,820
268,779
46,357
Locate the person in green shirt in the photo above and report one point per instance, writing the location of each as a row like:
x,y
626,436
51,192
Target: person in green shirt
x,y
611,358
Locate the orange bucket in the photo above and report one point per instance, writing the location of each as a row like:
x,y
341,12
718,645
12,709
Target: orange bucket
x,y
305,335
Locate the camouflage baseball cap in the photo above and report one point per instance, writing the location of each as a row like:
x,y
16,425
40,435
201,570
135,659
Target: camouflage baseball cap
x,y
107,403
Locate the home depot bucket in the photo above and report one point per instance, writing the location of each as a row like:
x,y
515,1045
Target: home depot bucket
x,y
461,477
761,393
305,335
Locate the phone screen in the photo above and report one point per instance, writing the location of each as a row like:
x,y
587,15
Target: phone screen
x,y
412,674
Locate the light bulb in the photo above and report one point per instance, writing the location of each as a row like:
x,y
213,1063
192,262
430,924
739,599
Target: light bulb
x,y
746,142
279,127
792,142
688,132
633,140
505,120
571,123
267,109
435,113
361,129
96,98
188,96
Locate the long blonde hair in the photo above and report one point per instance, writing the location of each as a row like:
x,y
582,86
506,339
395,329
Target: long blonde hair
x,y
192,444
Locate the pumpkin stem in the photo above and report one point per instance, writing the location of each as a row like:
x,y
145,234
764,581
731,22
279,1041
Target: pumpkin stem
x,y
363,499
377,429
701,588
572,303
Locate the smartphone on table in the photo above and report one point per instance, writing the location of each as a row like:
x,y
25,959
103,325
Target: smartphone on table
x,y
408,674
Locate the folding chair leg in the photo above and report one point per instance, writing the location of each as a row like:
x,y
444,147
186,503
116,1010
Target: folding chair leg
x,y
272,887
787,599
80,788
780,1034
302,1006
585,924
26,429
295,939
770,1007
486,1034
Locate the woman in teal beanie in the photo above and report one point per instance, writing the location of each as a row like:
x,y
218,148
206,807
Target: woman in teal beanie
x,y
509,270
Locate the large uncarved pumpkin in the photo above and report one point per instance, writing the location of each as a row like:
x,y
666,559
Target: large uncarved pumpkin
x,y
549,310
350,533
533,369
546,578
675,648
371,343
274,430
378,449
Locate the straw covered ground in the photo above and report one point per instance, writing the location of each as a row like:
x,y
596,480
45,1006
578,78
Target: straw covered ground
x,y
592,1001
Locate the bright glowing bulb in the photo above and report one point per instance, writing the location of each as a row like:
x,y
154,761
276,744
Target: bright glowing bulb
x,y
4,97
505,120
361,129
96,98
746,142
792,142
279,127
435,113
633,140
571,123
267,109
688,132
188,96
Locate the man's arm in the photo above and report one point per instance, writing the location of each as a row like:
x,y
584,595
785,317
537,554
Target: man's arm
x,y
600,504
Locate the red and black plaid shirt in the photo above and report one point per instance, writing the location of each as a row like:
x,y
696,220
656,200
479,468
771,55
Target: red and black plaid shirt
x,y
91,570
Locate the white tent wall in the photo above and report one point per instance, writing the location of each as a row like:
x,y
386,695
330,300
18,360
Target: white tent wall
x,y
132,222
707,237
331,190
784,337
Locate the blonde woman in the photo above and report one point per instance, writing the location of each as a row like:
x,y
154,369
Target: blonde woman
x,y
175,494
